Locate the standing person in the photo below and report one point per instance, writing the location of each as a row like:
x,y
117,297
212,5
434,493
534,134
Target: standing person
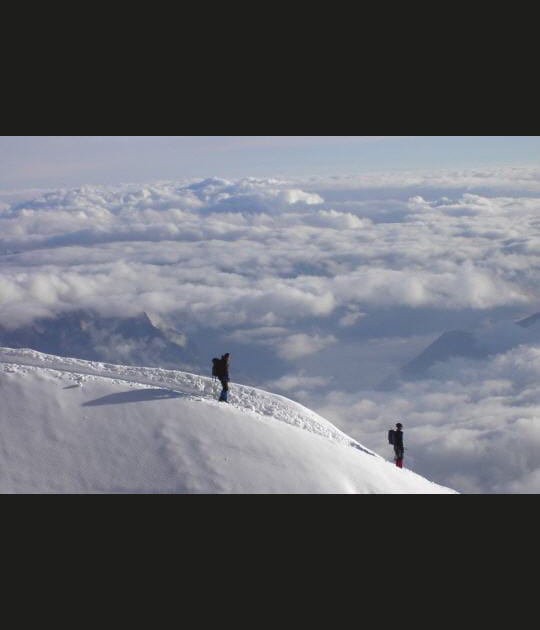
x,y
395,437
221,370
399,449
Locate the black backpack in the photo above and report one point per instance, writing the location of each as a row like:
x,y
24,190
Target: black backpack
x,y
391,436
216,367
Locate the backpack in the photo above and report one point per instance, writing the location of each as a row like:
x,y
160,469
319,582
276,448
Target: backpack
x,y
391,436
216,367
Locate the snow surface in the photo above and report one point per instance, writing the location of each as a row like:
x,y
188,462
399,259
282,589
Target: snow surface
x,y
68,425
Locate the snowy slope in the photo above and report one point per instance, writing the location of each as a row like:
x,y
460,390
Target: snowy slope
x,y
68,425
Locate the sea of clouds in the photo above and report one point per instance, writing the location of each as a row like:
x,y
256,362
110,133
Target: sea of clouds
x,y
340,279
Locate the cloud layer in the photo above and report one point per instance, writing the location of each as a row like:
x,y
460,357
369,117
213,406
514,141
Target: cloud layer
x,y
262,251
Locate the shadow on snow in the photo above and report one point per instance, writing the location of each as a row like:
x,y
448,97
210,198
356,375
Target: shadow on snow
x,y
136,396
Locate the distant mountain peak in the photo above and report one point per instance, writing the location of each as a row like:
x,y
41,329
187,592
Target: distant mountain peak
x,y
86,334
529,321
454,343
460,343
451,344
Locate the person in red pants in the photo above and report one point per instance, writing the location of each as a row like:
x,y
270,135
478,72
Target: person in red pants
x,y
399,449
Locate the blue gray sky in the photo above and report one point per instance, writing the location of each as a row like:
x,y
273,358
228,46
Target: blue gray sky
x,y
67,161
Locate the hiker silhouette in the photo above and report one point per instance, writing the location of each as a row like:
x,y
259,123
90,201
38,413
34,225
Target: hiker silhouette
x,y
220,369
395,437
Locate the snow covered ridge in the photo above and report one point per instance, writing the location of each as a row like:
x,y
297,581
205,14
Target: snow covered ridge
x,y
69,425
245,398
